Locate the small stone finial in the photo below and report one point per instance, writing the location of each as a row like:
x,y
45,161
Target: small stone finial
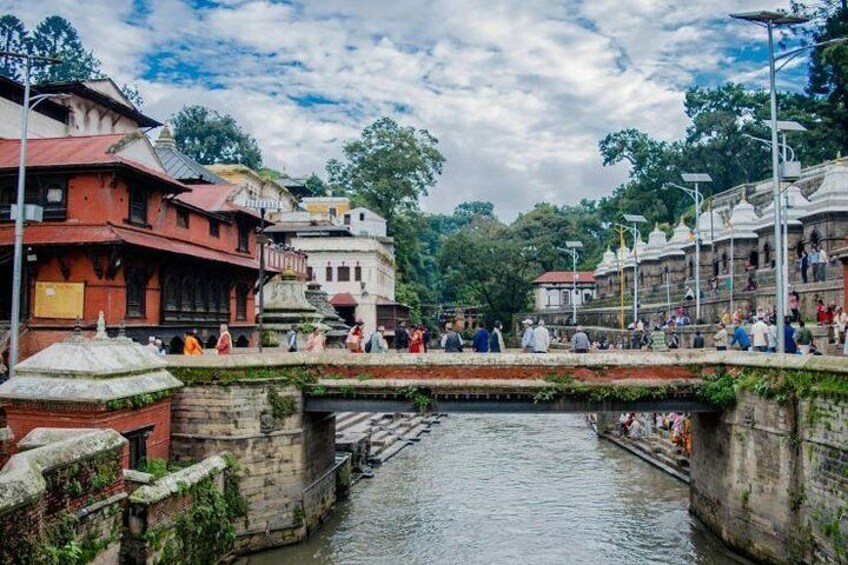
x,y
101,326
165,139
122,330
78,327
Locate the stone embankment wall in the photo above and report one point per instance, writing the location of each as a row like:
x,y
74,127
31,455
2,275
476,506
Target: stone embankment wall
x,y
770,477
61,498
283,453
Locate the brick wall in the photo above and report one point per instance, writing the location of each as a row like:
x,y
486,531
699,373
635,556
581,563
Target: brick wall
x,y
278,458
772,479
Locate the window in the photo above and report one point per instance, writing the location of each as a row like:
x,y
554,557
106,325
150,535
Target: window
x,y
357,273
182,218
214,228
344,274
243,238
138,206
724,262
754,259
310,276
332,211
46,191
135,291
767,254
362,216
241,302
691,269
815,238
137,440
565,297
347,219
329,274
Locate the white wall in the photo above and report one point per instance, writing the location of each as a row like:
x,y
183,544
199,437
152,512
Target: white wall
x,y
558,296
39,124
363,221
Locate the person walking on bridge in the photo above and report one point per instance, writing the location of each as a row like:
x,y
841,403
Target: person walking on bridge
x,y
496,340
658,341
451,341
191,345
527,337
480,341
580,341
541,338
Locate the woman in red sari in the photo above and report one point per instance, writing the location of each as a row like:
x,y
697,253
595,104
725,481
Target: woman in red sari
x,y
416,340
355,338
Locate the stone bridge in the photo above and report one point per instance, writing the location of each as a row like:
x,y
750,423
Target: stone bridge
x,y
337,381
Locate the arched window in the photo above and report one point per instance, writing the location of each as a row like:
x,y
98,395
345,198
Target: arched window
x,y
135,292
566,297
187,302
767,254
815,238
754,259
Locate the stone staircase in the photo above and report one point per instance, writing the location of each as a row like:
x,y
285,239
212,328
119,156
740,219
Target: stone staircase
x,y
382,436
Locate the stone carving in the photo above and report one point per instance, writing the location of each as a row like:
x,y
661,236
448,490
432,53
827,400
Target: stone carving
x,y
101,327
286,307
266,423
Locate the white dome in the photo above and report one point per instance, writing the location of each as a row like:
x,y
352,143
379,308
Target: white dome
x,y
679,239
832,195
607,263
712,225
656,243
798,207
743,222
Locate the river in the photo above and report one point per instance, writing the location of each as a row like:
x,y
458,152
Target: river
x,y
528,489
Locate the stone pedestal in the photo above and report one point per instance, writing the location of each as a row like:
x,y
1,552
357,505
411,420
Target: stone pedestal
x,y
286,308
337,331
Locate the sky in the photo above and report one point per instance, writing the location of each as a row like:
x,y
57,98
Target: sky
x,y
518,92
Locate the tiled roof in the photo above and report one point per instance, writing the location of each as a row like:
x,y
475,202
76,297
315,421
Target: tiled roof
x,y
553,277
45,234
179,165
343,299
73,152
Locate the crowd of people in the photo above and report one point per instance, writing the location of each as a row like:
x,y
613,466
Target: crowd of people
x,y
640,426
191,343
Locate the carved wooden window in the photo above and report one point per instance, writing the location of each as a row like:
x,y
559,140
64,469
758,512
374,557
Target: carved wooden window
x,y
171,298
182,218
329,274
187,298
241,302
357,273
214,228
135,291
343,274
243,238
138,206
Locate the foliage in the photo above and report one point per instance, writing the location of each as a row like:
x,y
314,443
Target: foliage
x,y
209,137
420,398
388,168
297,376
13,38
56,37
281,406
156,467
315,186
137,401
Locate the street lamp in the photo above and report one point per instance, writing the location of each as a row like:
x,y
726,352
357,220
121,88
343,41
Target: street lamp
x,y
15,322
695,193
634,219
262,240
770,20
571,248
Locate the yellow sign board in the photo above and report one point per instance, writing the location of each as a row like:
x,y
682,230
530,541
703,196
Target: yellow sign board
x,y
59,300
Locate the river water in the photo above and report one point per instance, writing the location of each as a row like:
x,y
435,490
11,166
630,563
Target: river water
x,y
512,489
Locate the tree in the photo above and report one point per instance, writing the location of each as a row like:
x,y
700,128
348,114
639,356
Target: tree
x,y
828,73
13,38
315,185
56,37
388,168
208,137
133,95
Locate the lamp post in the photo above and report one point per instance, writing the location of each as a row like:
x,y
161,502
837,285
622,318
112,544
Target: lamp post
x,y
634,219
17,266
695,193
771,20
571,248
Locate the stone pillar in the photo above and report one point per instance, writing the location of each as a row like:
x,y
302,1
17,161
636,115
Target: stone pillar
x,y
287,457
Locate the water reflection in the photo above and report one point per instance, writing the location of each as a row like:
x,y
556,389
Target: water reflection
x,y
528,489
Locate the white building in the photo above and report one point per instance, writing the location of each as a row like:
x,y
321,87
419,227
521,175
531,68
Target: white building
x,y
350,255
256,187
91,107
555,290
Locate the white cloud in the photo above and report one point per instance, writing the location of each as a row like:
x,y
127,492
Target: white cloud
x,y
518,92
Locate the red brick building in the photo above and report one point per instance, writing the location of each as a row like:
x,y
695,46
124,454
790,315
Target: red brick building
x,y
121,236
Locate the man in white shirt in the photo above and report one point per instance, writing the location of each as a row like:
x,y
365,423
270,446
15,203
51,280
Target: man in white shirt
x,y
759,331
541,338
527,337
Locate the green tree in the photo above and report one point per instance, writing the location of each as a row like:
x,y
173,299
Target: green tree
x,y
13,38
56,37
315,185
828,73
388,168
209,137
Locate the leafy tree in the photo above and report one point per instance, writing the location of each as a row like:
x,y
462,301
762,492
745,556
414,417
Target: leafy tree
x,y
209,137
56,37
133,95
13,37
315,185
388,168
828,73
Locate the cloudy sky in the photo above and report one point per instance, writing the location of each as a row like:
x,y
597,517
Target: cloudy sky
x,y
518,91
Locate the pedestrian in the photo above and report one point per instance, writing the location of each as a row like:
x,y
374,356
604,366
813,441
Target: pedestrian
x,y
378,342
425,337
355,338
794,300
151,345
822,265
416,339
291,340
191,346
672,338
740,338
821,312
698,340
315,341
759,331
805,265
160,348
580,341
451,341
401,340
527,336
480,340
804,338
789,337
225,341
840,322
772,335
720,337
690,294
541,338
496,340
813,262
658,342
